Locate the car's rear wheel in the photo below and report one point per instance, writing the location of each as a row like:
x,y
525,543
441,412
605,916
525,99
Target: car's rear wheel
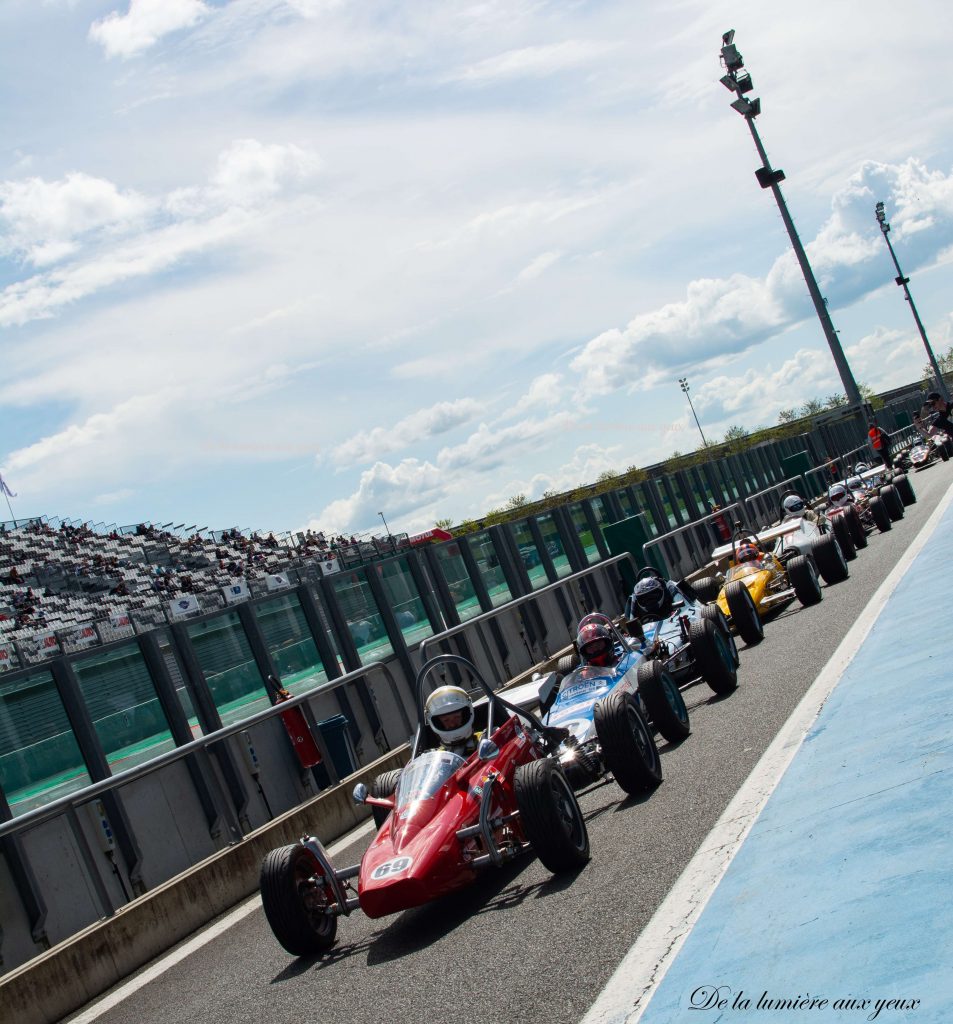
x,y
712,655
707,589
841,529
714,614
628,745
383,785
744,613
857,531
905,489
567,663
803,577
894,503
296,902
664,701
829,558
879,514
551,816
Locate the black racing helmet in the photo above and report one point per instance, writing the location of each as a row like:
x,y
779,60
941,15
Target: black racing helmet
x,y
651,598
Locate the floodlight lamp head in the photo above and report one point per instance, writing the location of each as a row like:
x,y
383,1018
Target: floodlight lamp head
x,y
732,58
728,38
747,108
743,83
729,83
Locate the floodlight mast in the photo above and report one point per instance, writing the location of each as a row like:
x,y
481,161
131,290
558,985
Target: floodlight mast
x,y
738,81
903,282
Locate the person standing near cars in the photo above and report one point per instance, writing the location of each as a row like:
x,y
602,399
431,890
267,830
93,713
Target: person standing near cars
x,y
880,441
942,408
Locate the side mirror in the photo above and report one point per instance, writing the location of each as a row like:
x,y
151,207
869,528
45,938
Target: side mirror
x,y
359,793
548,691
487,750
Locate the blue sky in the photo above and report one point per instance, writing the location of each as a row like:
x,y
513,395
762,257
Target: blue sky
x,y
272,263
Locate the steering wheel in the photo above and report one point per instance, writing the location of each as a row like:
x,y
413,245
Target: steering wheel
x,y
649,570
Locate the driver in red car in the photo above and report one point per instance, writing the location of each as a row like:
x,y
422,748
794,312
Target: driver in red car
x,y
449,714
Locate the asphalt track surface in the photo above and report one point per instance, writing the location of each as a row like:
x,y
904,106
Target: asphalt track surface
x,y
522,944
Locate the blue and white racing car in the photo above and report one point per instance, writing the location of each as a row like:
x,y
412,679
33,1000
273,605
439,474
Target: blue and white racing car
x,y
606,708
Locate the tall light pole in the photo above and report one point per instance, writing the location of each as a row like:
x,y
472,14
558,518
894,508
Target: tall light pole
x,y
384,521
903,282
738,81
683,384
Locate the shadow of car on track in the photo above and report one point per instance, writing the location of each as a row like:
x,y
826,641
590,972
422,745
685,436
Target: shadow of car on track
x,y
416,929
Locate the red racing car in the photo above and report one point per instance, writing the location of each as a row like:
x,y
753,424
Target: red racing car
x,y
448,819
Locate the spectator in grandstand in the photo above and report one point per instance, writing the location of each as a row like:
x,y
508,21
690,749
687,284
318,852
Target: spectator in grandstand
x,y
13,576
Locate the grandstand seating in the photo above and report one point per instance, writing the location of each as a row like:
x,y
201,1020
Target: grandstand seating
x,y
57,578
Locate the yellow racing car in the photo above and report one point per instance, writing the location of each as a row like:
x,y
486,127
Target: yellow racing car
x,y
751,581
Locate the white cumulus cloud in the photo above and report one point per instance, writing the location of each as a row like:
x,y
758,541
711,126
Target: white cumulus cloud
x,y
144,24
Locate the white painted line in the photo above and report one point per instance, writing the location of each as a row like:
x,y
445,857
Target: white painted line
x,y
242,911
629,990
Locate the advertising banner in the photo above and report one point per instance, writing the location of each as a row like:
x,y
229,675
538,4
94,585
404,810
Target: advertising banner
x,y
40,646
118,627
329,566
183,605
277,582
79,638
8,658
236,592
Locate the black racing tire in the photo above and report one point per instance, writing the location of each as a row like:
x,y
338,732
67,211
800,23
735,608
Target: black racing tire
x,y
905,489
294,904
803,577
714,613
745,616
880,515
567,663
663,700
841,529
551,816
383,785
947,449
707,589
857,531
829,558
890,496
628,745
712,655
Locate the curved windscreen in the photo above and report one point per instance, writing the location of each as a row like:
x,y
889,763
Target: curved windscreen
x,y
424,776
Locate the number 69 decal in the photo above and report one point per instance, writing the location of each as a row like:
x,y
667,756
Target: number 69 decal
x,y
391,867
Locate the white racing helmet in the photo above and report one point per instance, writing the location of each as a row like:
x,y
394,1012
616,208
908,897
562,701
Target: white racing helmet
x,y
838,495
855,483
861,467
793,505
442,714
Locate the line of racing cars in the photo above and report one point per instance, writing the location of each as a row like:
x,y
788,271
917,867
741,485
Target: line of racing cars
x,y
490,779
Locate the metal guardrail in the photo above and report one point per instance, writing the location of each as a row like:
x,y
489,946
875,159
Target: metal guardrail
x,y
678,538
493,613
66,806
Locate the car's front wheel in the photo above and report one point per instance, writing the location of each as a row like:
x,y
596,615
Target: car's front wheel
x,y
628,745
551,816
664,701
744,613
804,581
296,900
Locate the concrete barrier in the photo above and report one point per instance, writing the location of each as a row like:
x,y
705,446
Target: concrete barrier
x,y
69,975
